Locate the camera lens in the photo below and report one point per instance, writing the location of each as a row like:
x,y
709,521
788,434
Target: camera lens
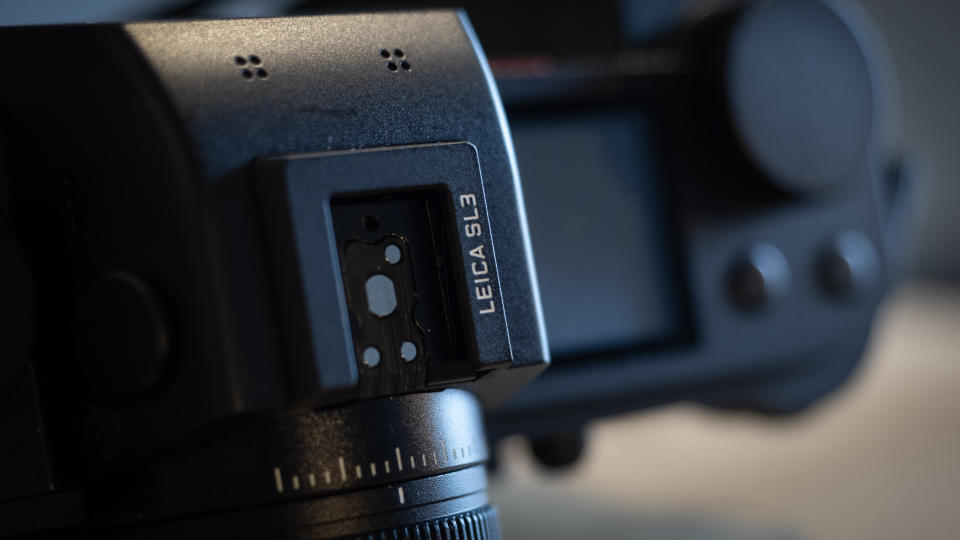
x,y
409,466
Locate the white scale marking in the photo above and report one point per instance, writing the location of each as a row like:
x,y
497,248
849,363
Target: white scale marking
x,y
312,479
400,493
278,477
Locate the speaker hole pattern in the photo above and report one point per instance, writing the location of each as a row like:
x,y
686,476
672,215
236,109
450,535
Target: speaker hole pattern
x,y
396,60
251,67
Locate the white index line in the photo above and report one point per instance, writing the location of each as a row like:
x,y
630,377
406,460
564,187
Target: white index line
x,y
399,459
343,469
296,482
400,493
312,479
278,478
373,469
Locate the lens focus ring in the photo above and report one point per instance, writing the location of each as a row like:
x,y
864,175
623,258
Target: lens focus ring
x,y
479,524
405,463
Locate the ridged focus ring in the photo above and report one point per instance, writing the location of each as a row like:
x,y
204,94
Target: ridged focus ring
x,y
479,524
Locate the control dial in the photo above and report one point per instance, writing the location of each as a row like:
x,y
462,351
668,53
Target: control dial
x,y
799,94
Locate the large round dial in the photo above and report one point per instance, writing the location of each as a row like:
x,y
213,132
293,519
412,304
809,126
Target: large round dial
x,y
799,92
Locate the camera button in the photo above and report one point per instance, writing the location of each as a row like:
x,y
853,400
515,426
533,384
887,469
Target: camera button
x,y
848,266
759,278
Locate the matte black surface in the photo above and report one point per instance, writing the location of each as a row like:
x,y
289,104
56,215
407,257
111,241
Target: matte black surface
x,y
18,308
406,463
271,460
120,336
24,468
738,111
204,117
345,97
144,168
800,94
764,121
297,194
175,203
41,514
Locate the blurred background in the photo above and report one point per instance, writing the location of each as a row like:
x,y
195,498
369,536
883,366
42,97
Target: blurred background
x,y
879,458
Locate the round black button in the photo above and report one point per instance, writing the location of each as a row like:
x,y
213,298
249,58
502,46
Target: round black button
x,y
848,266
121,337
758,278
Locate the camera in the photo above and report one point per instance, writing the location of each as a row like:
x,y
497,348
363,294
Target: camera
x,y
716,194
714,191
274,264
276,276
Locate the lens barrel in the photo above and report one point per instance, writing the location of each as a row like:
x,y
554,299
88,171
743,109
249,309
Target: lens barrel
x,y
404,466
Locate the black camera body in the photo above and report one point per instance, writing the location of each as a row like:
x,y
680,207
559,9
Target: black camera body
x,y
716,196
244,239
261,269
712,192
